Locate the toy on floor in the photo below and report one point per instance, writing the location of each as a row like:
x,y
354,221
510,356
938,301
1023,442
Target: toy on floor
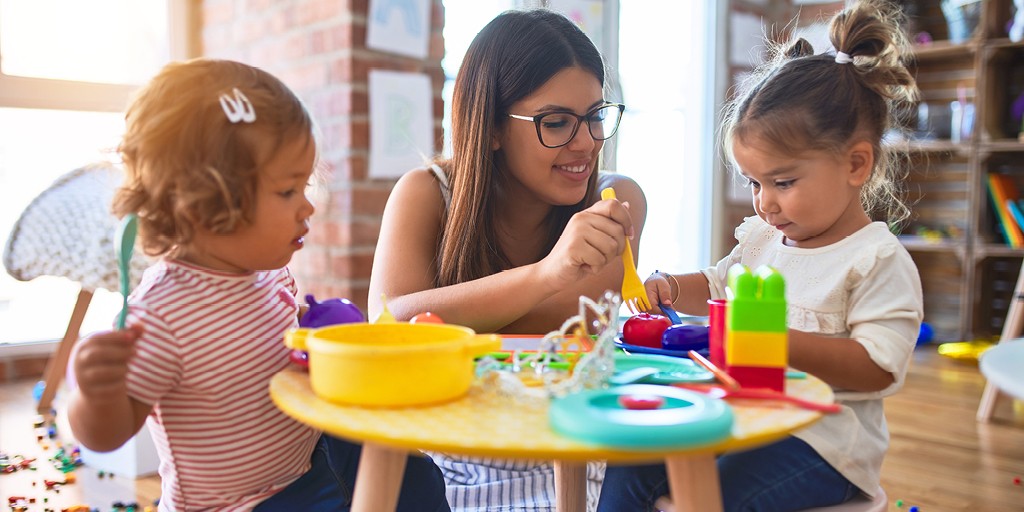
x,y
756,338
925,335
968,351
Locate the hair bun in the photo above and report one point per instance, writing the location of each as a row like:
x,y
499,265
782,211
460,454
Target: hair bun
x,y
799,48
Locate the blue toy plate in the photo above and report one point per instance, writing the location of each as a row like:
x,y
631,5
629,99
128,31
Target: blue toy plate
x,y
686,418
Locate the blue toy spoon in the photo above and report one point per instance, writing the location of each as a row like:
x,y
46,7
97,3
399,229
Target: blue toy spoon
x,y
671,314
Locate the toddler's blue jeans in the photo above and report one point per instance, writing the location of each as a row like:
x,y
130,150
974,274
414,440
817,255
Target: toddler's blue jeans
x,y
781,477
329,483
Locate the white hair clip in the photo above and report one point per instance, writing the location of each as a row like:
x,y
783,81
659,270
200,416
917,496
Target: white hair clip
x,y
843,58
239,108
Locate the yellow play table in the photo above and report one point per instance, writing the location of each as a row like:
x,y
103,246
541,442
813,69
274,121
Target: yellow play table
x,y
484,423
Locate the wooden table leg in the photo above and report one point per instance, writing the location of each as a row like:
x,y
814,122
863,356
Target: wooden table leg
x,y
379,478
693,483
58,363
570,486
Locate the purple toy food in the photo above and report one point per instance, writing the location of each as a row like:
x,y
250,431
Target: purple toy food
x,y
322,314
685,338
330,312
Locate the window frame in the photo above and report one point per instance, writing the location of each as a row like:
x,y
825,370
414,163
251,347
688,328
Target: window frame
x,y
185,41
53,94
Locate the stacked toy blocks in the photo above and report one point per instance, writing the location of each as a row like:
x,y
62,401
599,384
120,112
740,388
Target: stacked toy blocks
x,y
756,342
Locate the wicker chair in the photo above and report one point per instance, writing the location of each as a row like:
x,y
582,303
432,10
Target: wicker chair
x,y
68,231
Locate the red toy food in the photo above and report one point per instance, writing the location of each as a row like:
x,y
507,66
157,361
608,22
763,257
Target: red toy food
x,y
426,318
645,330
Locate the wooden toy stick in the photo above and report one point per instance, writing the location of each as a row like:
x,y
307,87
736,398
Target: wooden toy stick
x,y
723,377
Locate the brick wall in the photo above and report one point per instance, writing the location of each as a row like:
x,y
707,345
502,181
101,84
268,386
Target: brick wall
x,y
318,48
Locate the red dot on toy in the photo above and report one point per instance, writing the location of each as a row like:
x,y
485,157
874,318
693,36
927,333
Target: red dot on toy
x,y
641,402
1016,480
426,318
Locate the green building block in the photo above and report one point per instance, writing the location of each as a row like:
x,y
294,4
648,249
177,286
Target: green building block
x,y
757,300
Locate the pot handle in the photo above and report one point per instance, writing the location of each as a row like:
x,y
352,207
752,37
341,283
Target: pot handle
x,y
295,339
483,344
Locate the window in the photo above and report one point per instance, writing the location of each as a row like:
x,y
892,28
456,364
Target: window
x,y
67,70
463,19
666,68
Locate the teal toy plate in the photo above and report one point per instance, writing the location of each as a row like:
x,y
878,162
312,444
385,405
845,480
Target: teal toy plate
x,y
670,369
685,418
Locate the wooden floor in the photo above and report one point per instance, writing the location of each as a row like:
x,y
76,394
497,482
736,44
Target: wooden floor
x,y
18,437
940,458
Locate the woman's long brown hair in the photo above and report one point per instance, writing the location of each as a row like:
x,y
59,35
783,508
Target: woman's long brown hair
x,y
513,56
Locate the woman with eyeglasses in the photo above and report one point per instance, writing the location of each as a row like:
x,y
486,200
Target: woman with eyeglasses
x,y
507,234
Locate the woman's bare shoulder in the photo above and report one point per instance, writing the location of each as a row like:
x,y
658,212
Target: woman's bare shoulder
x,y
626,189
419,186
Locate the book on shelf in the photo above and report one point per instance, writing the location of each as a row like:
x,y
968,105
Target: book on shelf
x,y
1016,213
1002,188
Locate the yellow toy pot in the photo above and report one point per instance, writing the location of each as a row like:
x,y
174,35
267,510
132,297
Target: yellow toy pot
x,y
393,364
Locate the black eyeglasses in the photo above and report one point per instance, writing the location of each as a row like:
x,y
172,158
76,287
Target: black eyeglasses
x,y
556,129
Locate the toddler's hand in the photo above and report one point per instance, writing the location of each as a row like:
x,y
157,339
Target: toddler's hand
x,y
101,363
592,239
659,291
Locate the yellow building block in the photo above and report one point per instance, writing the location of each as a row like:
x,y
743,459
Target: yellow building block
x,y
752,348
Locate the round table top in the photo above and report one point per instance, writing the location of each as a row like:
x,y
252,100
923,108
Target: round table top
x,y
1002,365
486,423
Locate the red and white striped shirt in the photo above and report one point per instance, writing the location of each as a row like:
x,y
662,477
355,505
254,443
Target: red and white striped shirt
x,y
212,341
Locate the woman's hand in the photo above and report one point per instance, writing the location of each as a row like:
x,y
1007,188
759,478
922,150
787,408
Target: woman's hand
x,y
592,239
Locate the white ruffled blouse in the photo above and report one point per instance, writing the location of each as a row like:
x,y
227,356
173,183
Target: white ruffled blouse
x,y
865,287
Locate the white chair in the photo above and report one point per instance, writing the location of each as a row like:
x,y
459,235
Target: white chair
x,y
858,504
1013,327
68,231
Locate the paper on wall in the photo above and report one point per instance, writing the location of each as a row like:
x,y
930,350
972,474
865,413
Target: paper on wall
x,y
401,122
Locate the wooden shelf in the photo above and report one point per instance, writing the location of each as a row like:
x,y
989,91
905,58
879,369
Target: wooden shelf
x,y
982,251
930,146
1004,42
915,243
1003,146
943,49
948,181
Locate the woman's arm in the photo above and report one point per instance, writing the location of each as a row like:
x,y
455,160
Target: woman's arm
x,y
531,298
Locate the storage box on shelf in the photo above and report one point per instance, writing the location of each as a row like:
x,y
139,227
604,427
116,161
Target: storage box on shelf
x,y
995,284
967,130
